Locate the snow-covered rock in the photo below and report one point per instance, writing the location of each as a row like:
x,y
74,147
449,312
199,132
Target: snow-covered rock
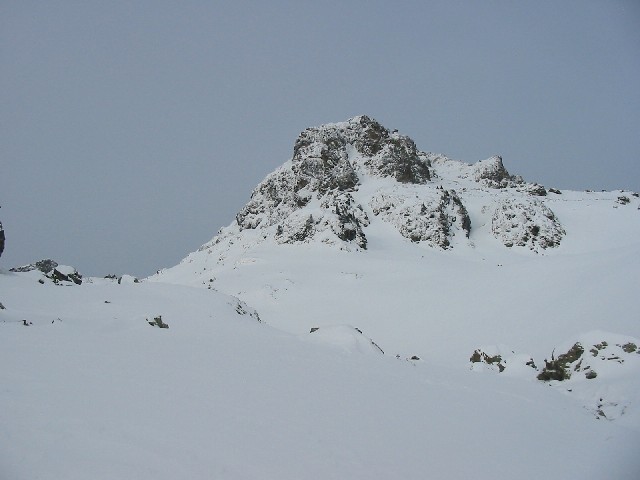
x,y
491,172
44,266
599,369
433,217
499,358
50,270
342,174
526,223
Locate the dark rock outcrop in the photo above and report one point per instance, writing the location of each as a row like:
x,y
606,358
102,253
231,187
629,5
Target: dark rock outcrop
x,y
53,271
45,266
2,239
322,153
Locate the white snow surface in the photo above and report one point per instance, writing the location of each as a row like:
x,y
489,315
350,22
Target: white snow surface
x,y
90,389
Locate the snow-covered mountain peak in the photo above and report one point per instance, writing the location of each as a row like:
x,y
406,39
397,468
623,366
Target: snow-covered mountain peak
x,y
333,151
345,176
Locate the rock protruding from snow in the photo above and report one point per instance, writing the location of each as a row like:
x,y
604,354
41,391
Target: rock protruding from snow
x,y
502,359
271,201
526,223
2,239
44,266
311,197
433,218
585,360
58,274
339,216
491,172
64,273
343,174
598,369
322,154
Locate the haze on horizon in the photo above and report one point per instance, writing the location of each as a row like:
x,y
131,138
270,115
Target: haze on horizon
x,y
132,131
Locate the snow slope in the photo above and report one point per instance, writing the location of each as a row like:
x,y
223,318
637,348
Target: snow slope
x,y
91,390
415,317
530,269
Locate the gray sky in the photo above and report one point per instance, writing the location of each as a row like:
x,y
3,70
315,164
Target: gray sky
x,y
132,131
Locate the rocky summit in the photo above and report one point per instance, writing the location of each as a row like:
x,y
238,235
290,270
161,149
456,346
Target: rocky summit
x,y
342,174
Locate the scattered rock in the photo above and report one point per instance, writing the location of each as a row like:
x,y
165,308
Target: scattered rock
x,y
629,347
559,369
242,309
157,322
479,356
127,279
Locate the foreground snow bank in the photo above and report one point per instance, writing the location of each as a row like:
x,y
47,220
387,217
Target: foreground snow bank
x,y
91,390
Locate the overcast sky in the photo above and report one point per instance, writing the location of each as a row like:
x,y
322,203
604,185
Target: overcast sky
x,y
131,131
